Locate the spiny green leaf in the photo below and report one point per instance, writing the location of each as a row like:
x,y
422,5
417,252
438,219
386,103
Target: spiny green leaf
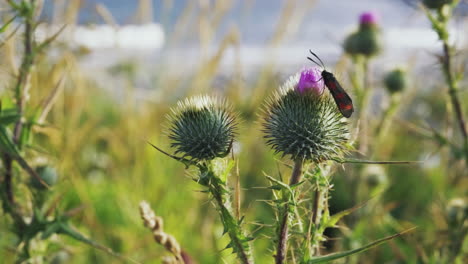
x,y
66,229
331,222
7,146
293,186
274,187
358,161
250,238
279,184
335,256
228,246
8,116
228,169
6,143
51,229
185,161
50,39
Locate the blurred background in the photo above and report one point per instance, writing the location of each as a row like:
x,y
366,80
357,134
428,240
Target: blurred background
x,y
119,65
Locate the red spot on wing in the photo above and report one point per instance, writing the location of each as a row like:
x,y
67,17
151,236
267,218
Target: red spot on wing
x,y
345,106
342,99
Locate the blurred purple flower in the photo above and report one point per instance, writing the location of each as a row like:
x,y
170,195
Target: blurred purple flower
x,y
310,80
369,17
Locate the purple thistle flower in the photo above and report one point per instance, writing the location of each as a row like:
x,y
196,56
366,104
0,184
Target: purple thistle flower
x,y
369,18
310,80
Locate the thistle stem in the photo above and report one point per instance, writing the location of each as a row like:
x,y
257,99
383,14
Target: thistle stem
x,y
319,207
284,215
218,189
388,114
453,93
21,83
25,68
297,172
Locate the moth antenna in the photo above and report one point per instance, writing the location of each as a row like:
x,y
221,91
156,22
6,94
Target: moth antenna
x,y
315,55
314,61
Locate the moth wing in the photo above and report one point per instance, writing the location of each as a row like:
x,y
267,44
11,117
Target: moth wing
x,y
342,99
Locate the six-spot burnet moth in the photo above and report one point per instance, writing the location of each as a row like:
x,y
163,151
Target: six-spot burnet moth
x,y
342,99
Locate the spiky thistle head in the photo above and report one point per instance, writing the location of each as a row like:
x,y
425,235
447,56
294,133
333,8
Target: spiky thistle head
x,y
304,125
202,128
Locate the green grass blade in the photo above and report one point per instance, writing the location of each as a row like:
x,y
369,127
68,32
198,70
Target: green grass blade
x,y
8,118
339,255
65,229
7,24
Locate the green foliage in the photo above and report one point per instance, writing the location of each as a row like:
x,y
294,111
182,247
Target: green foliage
x,y
335,256
96,142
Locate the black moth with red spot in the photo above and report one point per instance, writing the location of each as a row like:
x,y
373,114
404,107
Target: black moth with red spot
x,y
342,99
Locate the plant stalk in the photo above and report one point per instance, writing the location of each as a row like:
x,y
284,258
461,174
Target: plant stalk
x,y
364,106
320,199
282,246
21,83
25,69
240,244
453,89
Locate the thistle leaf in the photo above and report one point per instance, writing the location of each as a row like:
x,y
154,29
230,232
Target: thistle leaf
x,y
331,222
185,161
358,161
8,116
66,229
335,256
8,23
6,144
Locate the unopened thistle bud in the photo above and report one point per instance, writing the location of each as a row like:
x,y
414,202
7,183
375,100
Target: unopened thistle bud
x,y
202,128
436,4
366,41
395,81
304,123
